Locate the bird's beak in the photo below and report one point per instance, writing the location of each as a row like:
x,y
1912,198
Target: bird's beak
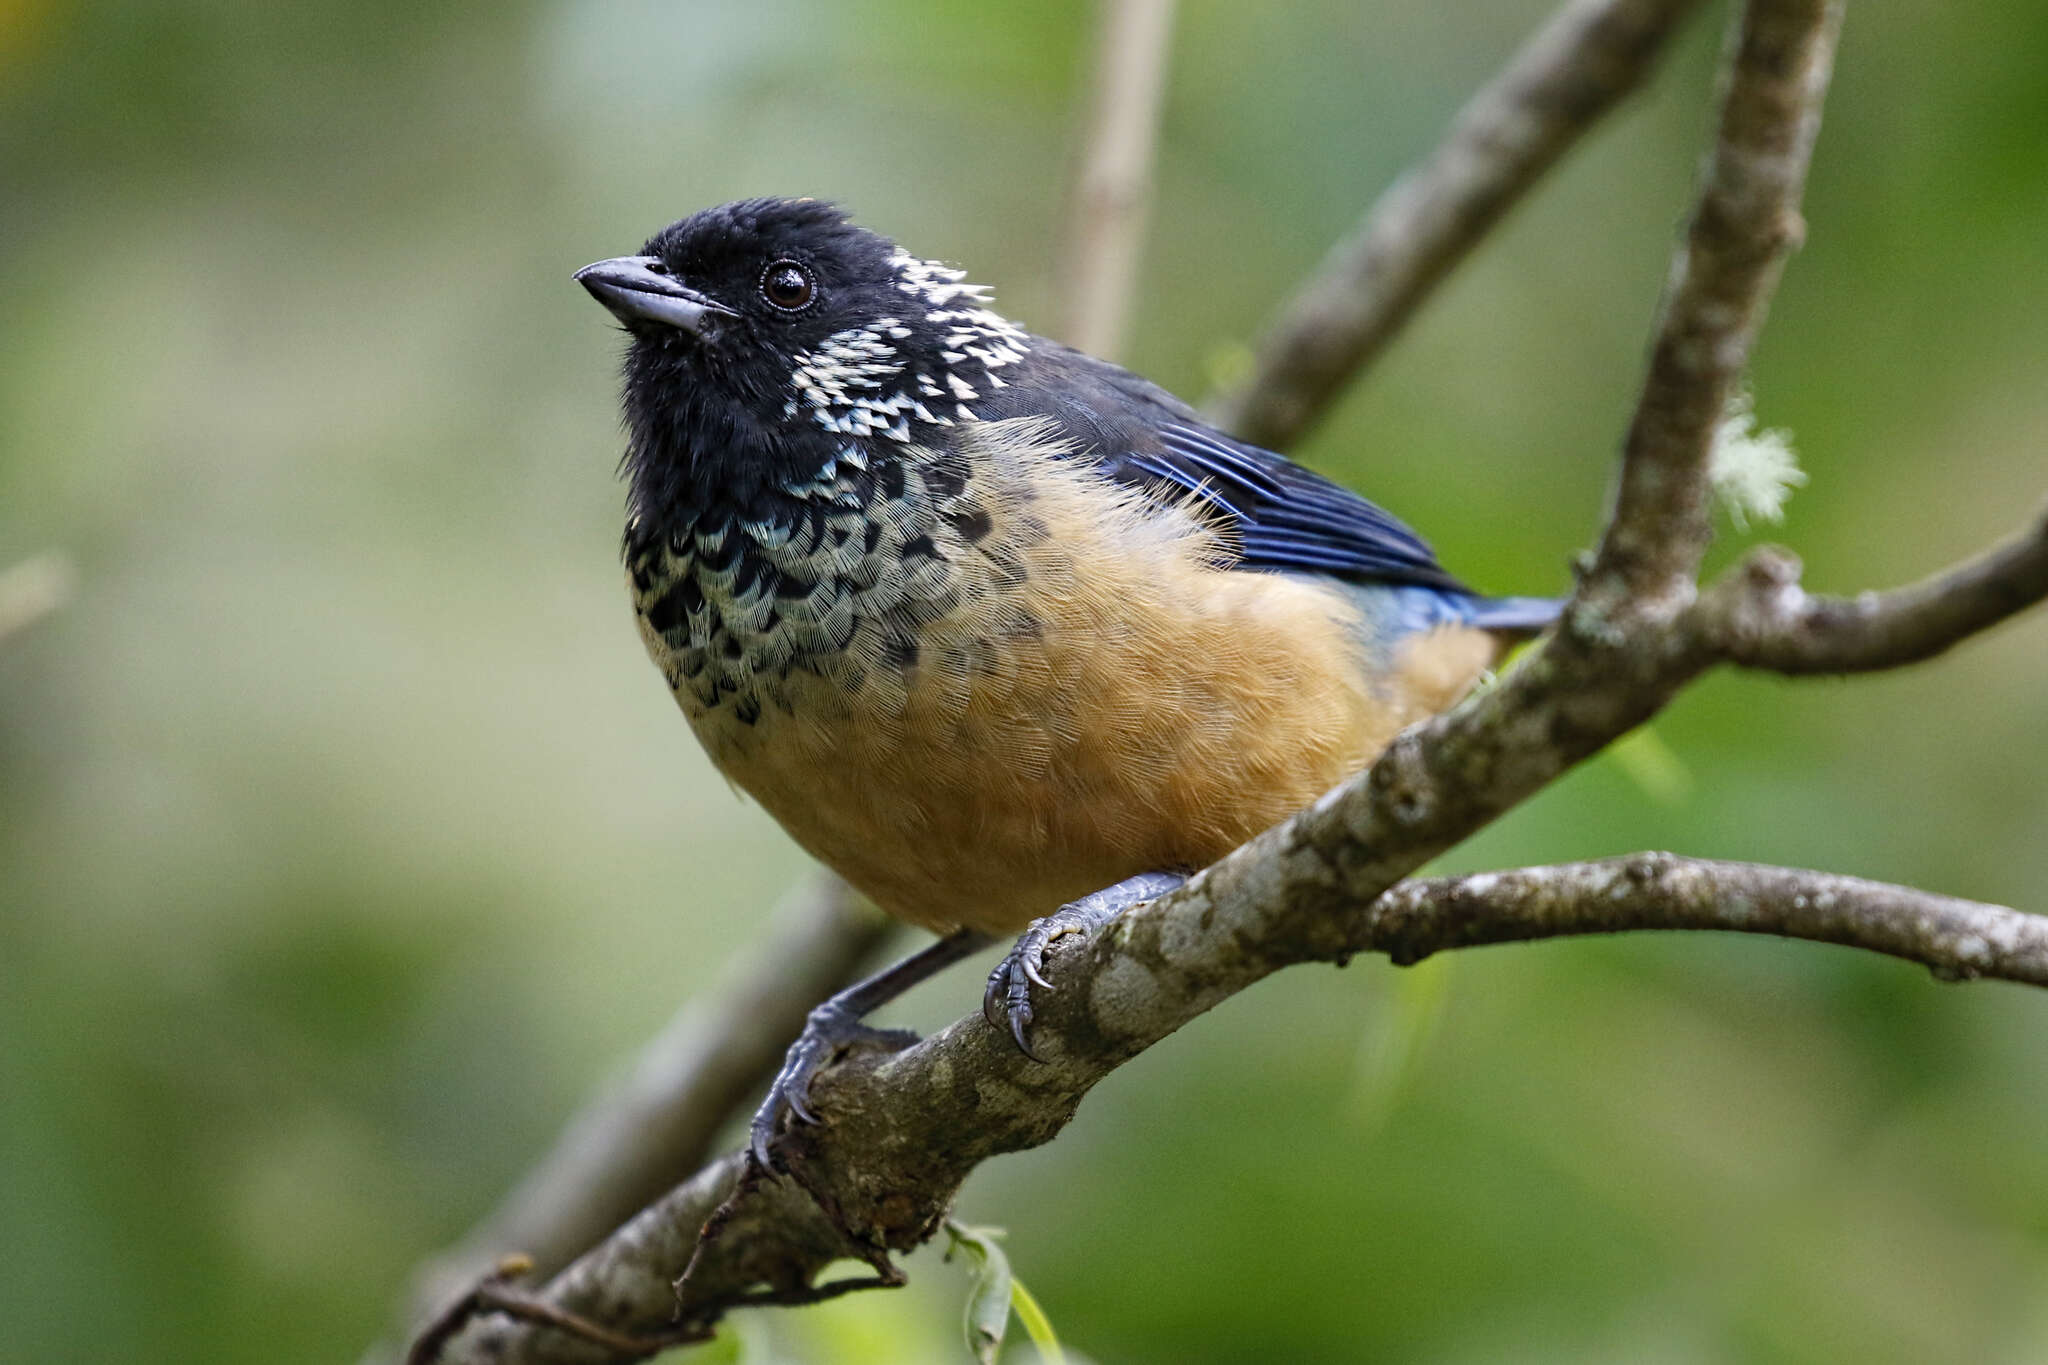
x,y
639,289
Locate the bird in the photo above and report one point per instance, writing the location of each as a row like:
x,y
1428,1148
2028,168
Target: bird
x,y
1002,633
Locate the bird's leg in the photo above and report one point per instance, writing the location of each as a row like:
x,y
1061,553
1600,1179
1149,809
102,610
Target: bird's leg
x,y
837,1022
1009,985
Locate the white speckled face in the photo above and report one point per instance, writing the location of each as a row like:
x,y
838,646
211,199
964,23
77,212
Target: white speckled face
x,y
852,384
859,382
972,331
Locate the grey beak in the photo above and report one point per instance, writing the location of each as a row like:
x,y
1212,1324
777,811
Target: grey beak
x,y
640,289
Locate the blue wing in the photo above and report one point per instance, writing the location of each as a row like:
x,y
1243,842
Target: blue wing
x,y
1282,516
1278,515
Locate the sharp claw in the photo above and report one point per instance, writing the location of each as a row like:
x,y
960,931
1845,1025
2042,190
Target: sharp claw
x,y
798,1107
1009,990
1018,1022
1011,984
824,1035
758,1149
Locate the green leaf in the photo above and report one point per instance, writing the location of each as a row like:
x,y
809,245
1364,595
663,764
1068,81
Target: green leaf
x,y
995,1295
1036,1325
988,1302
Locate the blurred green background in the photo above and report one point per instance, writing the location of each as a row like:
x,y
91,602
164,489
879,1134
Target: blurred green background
x,y
347,839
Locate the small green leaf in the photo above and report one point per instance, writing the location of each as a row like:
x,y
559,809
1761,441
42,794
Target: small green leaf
x,y
988,1302
1036,1325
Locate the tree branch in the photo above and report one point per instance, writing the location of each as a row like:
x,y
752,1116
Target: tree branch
x,y
1584,61
1745,224
1112,190
1956,939
1762,618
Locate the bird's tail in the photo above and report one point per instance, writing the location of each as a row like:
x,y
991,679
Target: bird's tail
x,y
1516,616
1406,608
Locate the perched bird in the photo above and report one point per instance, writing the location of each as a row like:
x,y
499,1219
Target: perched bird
x,y
1000,632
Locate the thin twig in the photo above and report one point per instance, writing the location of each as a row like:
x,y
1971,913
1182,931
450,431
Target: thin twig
x,y
440,1328
493,1293
1762,618
1955,939
1585,60
1112,192
1745,225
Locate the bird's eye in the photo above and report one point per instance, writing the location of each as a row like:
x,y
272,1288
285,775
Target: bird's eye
x,y
787,285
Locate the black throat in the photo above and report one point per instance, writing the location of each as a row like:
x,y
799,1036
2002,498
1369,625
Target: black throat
x,y
695,454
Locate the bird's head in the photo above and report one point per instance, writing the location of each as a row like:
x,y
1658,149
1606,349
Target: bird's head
x,y
768,334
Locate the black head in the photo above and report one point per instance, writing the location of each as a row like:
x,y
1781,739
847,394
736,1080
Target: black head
x,y
769,333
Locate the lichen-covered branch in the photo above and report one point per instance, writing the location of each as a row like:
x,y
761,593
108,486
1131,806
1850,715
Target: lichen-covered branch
x,y
1583,62
1762,618
1745,224
1955,939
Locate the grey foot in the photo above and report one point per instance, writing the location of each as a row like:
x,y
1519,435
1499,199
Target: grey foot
x,y
829,1031
1022,968
835,1025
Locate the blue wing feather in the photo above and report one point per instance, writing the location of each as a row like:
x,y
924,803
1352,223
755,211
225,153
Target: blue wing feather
x,y
1286,517
1279,516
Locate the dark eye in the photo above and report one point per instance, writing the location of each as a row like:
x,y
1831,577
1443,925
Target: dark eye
x,y
787,285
